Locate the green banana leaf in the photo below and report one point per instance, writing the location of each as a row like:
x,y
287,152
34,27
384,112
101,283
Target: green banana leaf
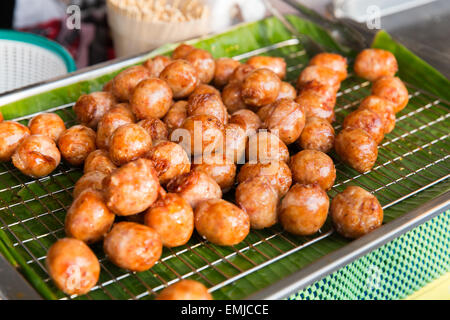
x,y
32,212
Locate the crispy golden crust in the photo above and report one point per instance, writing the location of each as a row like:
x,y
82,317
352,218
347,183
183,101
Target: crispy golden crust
x,y
37,156
155,128
355,212
313,167
318,134
88,218
204,88
181,77
176,115
90,108
333,61
90,180
182,51
241,73
318,75
170,160
172,218
383,108
304,209
224,69
156,65
372,64
133,246
367,120
265,147
277,173
286,119
128,143
356,148
99,160
221,222
260,88
73,267
76,143
207,104
393,90
118,116
231,96
276,64
151,98
132,188
316,105
195,187
11,135
258,198
247,120
185,290
218,167
204,63
287,91
48,124
125,82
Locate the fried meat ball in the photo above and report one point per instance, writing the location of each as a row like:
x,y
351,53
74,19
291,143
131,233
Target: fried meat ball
x,y
156,65
318,75
318,134
128,143
90,108
133,246
276,64
48,124
108,86
118,116
73,266
235,142
393,90
355,212
265,147
172,218
304,209
258,198
247,120
231,96
127,80
195,187
99,160
372,64
333,61
241,73
383,108
277,173
204,88
207,104
218,167
204,63
76,143
11,136
286,119
90,180
88,218
155,128
185,290
151,98
313,167
202,133
316,105
221,222
356,148
261,87
181,77
182,51
224,69
287,90
176,115
367,120
132,188
264,112
37,156
170,160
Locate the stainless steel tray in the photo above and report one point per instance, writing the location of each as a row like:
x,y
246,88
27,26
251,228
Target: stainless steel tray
x,y
398,176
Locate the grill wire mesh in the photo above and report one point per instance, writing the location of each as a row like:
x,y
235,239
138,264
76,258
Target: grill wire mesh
x,y
411,158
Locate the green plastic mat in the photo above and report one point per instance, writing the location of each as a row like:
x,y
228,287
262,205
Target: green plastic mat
x,y
412,158
393,271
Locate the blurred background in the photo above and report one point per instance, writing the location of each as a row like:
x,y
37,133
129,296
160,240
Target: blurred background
x,y
94,31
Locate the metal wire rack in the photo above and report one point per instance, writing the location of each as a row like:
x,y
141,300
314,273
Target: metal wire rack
x,y
411,158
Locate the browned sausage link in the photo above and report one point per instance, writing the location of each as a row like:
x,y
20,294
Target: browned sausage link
x,y
355,212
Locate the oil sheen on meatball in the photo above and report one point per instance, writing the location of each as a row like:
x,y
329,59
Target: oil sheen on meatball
x,y
261,87
181,77
318,134
11,135
371,64
48,124
76,143
128,143
90,108
151,98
